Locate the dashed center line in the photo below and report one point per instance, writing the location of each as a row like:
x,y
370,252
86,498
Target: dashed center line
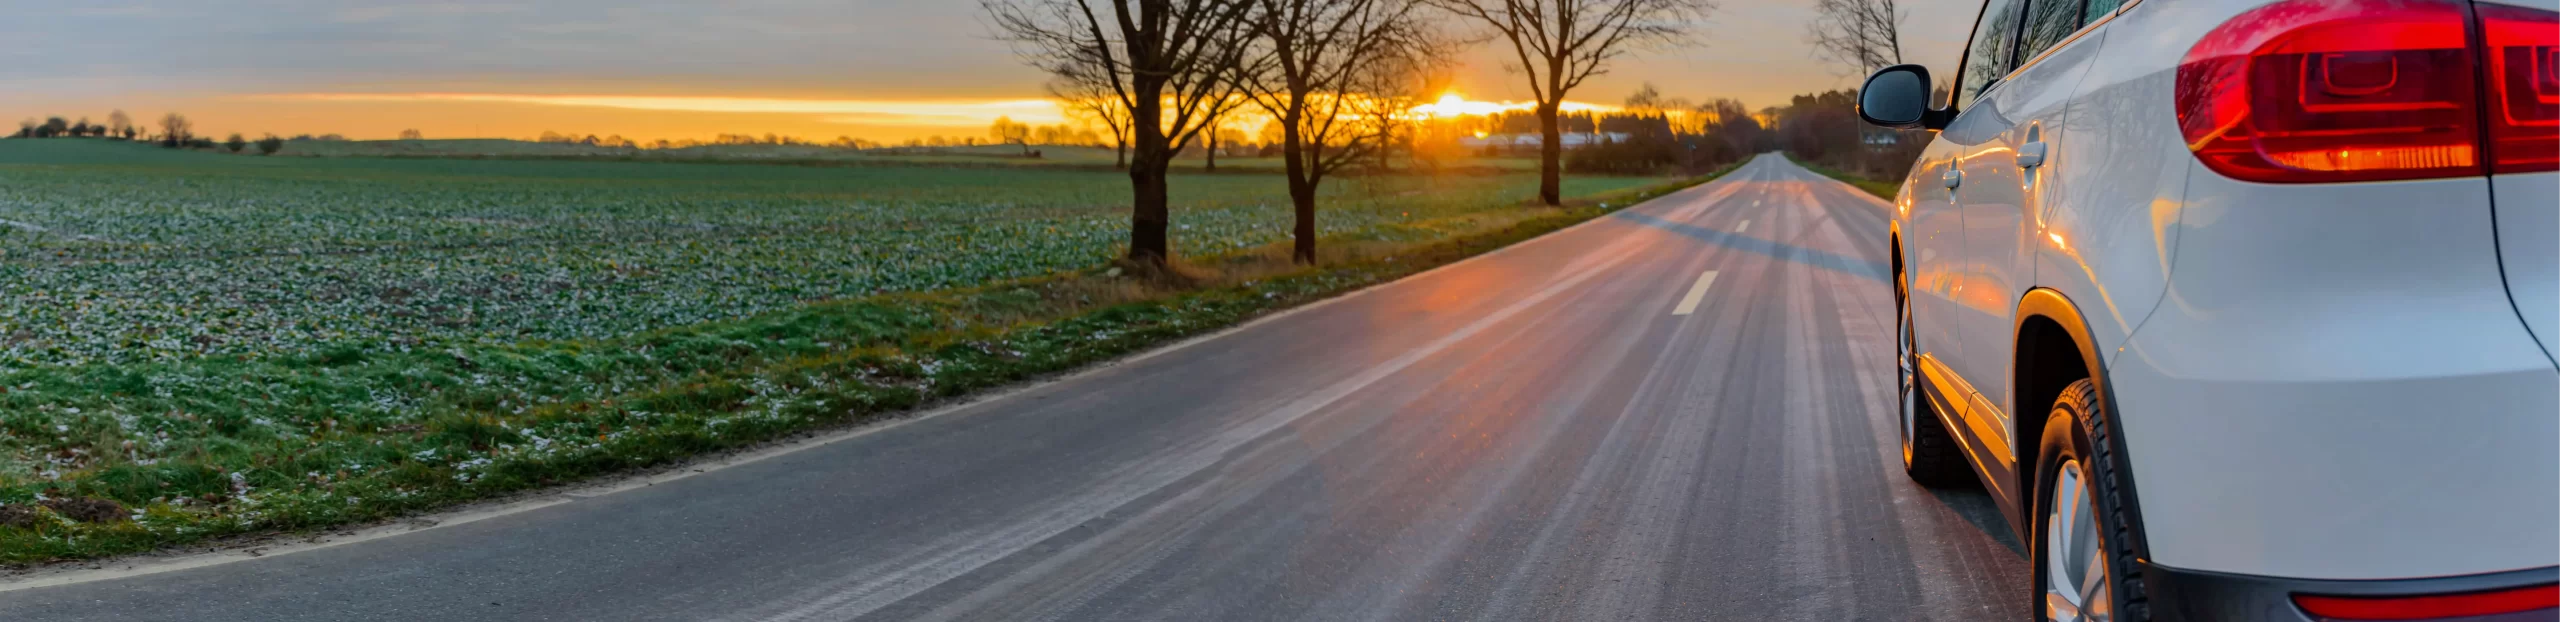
x,y
1697,293
1746,226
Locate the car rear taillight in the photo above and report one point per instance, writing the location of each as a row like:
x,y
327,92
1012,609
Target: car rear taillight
x,y
2521,49
2436,607
2312,91
2304,91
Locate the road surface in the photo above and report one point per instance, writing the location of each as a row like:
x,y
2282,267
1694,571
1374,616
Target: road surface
x,y
1680,411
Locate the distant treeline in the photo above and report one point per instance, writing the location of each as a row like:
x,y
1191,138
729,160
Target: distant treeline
x,y
175,132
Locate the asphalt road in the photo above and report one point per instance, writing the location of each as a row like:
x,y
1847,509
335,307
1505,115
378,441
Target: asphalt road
x,y
1538,433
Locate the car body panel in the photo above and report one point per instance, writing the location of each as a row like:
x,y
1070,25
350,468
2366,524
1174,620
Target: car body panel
x,y
2002,202
2303,319
2547,5
2528,208
2316,381
2111,226
2336,387
1932,233
1967,297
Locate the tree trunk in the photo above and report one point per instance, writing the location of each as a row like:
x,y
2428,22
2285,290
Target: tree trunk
x,y
1302,191
1149,216
1550,156
1149,241
1302,201
1213,149
1120,159
1386,147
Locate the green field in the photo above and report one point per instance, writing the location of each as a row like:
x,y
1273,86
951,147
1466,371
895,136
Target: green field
x,y
117,253
1052,156
197,345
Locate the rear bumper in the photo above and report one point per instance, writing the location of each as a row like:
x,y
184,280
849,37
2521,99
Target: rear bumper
x,y
2179,595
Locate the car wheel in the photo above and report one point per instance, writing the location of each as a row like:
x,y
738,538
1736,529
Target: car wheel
x,y
2083,557
1928,453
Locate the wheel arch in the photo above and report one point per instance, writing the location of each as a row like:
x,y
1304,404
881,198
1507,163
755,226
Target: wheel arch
x,y
2053,348
1893,246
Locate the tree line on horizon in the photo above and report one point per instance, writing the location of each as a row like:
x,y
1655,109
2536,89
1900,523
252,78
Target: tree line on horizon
x,y
176,131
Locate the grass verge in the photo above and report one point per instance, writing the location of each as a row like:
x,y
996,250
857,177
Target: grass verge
x,y
1881,188
165,454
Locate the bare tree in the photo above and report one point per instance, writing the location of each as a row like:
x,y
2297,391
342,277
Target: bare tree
x,y
1165,62
175,129
412,134
1322,69
1094,104
1561,43
1395,89
1052,134
1857,35
1211,134
1007,131
119,124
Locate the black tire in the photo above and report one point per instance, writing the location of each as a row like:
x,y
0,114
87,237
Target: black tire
x,y
2077,431
1929,453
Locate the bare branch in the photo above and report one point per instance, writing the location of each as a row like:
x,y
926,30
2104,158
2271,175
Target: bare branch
x,y
1858,36
1332,74
1561,43
1164,63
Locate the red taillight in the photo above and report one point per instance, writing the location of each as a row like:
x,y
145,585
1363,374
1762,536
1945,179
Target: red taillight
x,y
2365,90
2437,607
2521,48
2324,91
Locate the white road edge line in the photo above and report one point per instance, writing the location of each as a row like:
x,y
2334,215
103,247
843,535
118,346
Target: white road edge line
x,y
150,564
1697,293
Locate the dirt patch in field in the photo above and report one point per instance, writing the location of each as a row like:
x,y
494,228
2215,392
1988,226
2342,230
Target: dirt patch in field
x,y
87,510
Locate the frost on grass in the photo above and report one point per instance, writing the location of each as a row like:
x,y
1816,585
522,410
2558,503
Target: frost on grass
x,y
208,345
222,258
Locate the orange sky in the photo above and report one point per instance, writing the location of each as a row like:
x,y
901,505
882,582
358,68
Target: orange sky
x,y
879,69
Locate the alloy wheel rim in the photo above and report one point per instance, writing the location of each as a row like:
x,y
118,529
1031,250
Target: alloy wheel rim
x,y
2077,586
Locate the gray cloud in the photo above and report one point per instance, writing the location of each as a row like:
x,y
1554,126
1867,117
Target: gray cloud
x,y
71,50
858,44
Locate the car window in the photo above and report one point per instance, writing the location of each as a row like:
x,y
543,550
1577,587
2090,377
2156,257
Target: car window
x,y
1992,52
2048,23
2098,9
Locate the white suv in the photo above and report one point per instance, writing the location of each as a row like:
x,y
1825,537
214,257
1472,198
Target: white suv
x,y
2244,309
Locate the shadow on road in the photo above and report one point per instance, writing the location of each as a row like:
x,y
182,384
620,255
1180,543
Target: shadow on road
x,y
1783,252
1976,506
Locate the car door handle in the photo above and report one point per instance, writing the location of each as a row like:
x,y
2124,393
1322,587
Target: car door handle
x,y
2031,155
1952,178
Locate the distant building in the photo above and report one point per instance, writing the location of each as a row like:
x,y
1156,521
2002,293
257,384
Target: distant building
x,y
1572,140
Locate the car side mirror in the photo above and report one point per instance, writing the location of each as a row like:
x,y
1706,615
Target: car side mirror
x,y
1898,97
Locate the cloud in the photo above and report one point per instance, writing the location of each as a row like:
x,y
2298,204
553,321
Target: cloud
x,y
380,13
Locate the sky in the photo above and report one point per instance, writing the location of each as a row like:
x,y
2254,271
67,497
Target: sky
x,y
647,69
